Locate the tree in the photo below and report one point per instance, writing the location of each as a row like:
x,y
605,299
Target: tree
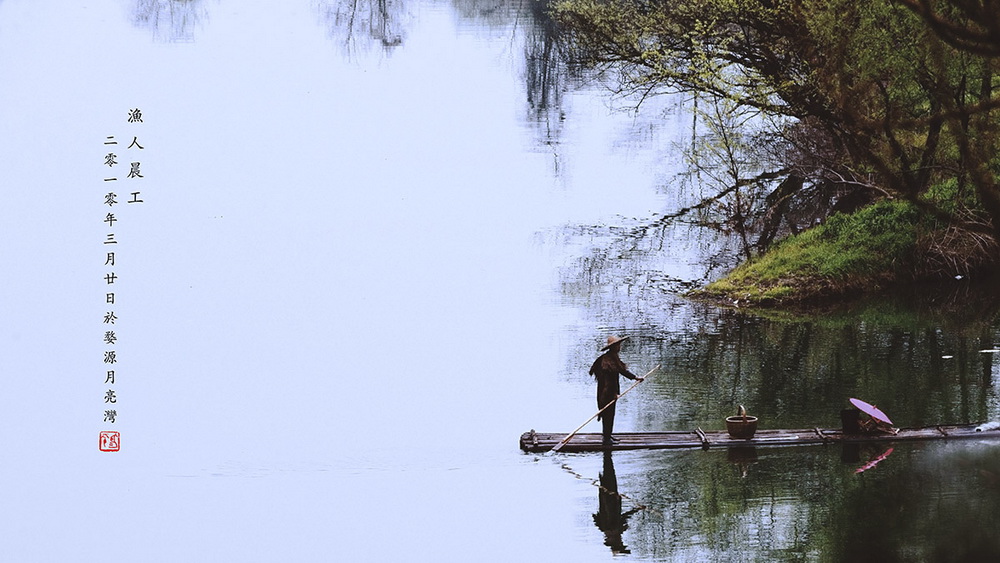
x,y
967,25
877,99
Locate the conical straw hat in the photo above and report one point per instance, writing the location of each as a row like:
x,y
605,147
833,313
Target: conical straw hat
x,y
612,340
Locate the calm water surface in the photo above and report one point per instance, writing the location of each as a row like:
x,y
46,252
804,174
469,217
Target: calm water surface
x,y
379,241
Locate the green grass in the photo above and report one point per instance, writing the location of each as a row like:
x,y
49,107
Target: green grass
x,y
848,253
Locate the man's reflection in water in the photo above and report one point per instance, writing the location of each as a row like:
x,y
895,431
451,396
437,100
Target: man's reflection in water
x,y
609,517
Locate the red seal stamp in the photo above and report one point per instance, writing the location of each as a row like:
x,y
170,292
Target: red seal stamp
x,y
110,441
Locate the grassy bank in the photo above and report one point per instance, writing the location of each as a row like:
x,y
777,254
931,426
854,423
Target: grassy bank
x,y
862,252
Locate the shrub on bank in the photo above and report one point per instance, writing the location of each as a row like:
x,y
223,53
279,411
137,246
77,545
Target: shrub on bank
x,y
849,253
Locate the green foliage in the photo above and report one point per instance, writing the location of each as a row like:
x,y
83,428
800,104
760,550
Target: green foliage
x,y
849,252
897,107
950,196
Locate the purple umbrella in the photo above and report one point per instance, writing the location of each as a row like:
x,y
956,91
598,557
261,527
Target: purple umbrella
x,y
871,410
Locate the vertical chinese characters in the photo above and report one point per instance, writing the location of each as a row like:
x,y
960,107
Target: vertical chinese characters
x,y
110,440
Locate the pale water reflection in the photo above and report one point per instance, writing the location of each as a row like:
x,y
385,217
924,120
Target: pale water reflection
x,y
381,240
171,21
359,27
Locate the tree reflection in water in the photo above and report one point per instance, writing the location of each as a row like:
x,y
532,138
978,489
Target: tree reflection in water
x,y
540,58
940,503
359,25
917,353
170,20
933,501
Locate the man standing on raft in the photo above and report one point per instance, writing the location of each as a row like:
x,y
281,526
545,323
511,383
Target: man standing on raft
x,y
606,370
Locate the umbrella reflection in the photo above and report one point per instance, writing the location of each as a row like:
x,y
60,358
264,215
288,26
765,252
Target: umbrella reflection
x,y
873,462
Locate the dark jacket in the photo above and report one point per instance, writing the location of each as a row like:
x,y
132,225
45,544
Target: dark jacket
x,y
606,369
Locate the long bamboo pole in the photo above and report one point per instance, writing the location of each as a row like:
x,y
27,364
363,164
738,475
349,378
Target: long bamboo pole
x,y
565,440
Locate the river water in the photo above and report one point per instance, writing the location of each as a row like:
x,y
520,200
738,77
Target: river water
x,y
376,242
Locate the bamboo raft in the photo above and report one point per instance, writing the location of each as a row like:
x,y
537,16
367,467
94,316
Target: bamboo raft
x,y
541,442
